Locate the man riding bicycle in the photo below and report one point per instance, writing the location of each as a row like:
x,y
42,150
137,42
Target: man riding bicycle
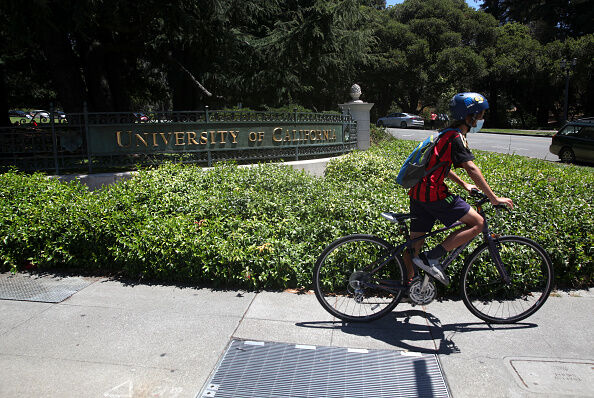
x,y
430,199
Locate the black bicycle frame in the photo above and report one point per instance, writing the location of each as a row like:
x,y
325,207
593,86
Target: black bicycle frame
x,y
488,237
493,249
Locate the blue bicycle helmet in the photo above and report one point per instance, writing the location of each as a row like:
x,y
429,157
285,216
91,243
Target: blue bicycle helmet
x,y
463,104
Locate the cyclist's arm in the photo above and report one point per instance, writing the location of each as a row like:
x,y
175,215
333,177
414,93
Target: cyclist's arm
x,y
475,174
454,177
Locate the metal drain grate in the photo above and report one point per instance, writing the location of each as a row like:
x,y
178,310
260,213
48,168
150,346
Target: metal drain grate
x,y
47,289
257,369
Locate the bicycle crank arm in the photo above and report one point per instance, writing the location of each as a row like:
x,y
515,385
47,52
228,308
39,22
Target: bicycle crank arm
x,y
425,282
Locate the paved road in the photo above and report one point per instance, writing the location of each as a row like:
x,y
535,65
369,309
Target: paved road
x,y
534,147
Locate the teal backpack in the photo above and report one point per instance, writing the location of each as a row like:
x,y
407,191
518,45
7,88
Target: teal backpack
x,y
413,169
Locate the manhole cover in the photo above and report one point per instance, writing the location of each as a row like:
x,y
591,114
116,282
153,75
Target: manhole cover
x,y
260,369
554,376
47,289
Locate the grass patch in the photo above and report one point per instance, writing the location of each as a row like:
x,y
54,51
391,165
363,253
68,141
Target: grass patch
x,y
543,133
38,119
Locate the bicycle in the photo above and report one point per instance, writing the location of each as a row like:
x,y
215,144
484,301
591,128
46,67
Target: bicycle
x,y
360,278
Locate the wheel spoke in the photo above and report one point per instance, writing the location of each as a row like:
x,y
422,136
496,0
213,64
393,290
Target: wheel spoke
x,y
345,288
490,298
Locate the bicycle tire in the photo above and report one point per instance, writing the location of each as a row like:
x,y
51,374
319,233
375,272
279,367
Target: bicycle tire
x,y
338,270
489,298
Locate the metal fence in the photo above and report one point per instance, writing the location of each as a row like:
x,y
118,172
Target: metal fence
x,y
97,142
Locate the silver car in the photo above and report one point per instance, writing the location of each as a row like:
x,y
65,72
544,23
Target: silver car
x,y
402,120
39,114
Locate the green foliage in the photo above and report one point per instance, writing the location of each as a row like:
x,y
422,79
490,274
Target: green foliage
x,y
414,55
264,226
379,134
427,48
40,225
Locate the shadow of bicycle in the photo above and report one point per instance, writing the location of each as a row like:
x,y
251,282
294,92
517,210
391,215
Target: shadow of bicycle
x,y
413,330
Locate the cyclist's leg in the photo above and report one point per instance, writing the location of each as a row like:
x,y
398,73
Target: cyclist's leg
x,y
421,224
416,248
448,211
474,226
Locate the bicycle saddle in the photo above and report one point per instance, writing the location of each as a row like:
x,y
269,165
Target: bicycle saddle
x,y
396,217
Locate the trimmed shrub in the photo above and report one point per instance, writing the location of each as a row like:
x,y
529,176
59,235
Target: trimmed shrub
x,y
264,226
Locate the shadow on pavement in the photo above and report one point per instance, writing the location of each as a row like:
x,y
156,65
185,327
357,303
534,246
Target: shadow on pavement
x,y
413,330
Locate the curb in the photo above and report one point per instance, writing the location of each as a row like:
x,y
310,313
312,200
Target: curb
x,y
315,167
519,134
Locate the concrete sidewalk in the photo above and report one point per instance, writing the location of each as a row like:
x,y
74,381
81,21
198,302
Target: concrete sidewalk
x,y
116,340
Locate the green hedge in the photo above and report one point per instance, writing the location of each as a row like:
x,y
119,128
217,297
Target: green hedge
x,y
263,226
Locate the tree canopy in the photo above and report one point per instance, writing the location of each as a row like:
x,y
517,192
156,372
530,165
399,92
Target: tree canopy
x,y
183,55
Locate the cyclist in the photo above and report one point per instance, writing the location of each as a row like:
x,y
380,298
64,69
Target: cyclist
x,y
430,199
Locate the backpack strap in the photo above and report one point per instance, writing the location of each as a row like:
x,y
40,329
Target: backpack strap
x,y
440,164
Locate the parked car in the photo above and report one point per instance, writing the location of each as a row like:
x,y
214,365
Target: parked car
x,y
140,117
575,141
60,116
402,120
39,113
17,113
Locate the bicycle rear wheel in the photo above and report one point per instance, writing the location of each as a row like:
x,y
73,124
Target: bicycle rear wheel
x,y
487,295
344,285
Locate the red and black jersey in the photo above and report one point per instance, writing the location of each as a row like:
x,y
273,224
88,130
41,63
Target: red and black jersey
x,y
451,149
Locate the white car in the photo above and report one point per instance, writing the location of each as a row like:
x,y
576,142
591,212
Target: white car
x,y
402,120
39,114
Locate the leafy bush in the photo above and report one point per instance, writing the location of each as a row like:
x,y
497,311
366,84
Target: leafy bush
x,y
44,222
379,134
264,226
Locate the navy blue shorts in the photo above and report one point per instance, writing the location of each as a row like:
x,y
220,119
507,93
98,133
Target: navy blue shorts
x,y
448,211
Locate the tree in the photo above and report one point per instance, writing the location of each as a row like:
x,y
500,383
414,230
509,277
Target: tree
x,y
548,20
25,80
512,71
116,54
581,76
183,55
307,54
564,28
428,50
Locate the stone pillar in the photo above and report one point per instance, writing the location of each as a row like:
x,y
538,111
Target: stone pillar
x,y
360,112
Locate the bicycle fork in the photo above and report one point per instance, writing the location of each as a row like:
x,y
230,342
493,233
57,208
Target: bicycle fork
x,y
493,249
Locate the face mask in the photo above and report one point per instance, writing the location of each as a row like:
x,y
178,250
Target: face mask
x,y
479,126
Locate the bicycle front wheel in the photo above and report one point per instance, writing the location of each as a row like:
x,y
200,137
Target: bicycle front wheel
x,y
345,285
490,298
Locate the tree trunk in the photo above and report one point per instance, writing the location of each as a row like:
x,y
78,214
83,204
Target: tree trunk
x,y
185,94
65,71
97,84
118,74
542,114
5,119
588,97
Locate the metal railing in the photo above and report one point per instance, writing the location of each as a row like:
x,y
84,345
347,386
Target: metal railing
x,y
97,142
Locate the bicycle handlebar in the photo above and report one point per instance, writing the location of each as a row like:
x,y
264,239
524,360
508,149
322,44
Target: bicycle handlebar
x,y
482,198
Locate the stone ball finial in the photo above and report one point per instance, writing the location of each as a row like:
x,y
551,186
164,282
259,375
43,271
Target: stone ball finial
x,y
355,92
